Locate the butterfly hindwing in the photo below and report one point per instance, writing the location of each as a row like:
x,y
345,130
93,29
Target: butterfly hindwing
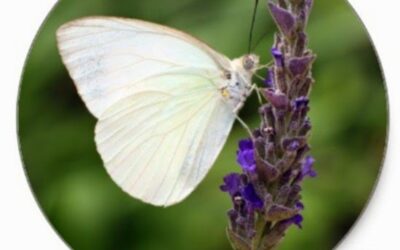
x,y
158,145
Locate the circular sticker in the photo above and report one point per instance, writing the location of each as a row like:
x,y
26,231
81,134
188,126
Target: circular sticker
x,y
202,124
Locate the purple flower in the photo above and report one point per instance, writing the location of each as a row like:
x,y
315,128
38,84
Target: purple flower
x,y
292,144
269,79
245,155
246,144
283,18
246,160
278,56
250,195
231,184
307,167
299,65
267,193
301,102
297,220
299,205
277,99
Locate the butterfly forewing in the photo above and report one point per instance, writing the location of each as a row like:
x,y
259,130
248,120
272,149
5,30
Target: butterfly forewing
x,y
107,57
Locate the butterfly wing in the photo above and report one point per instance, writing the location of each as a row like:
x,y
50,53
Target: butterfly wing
x,y
108,57
162,121
158,145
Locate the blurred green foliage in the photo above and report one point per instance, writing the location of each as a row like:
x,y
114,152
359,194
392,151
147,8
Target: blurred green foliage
x,y
90,212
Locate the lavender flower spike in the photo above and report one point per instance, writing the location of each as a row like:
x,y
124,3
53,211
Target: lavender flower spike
x,y
265,197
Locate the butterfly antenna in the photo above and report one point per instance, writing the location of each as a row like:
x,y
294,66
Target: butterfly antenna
x,y
253,20
259,41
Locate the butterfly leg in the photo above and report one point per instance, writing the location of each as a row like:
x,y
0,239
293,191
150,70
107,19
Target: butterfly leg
x,y
244,125
264,66
254,87
235,113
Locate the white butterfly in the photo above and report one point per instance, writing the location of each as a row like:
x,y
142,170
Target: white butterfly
x,y
165,102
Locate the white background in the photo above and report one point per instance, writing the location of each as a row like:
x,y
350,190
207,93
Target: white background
x,y
22,225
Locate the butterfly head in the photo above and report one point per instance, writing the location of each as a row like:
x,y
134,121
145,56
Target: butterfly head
x,y
245,67
250,62
239,83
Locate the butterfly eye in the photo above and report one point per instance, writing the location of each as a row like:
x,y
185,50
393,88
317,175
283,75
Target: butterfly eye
x,y
237,84
250,62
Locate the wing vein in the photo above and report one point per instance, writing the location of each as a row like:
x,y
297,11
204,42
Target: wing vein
x,y
197,148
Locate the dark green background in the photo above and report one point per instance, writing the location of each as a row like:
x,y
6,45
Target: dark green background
x,y
348,111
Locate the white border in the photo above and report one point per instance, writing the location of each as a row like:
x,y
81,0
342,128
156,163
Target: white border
x,y
378,226
22,225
